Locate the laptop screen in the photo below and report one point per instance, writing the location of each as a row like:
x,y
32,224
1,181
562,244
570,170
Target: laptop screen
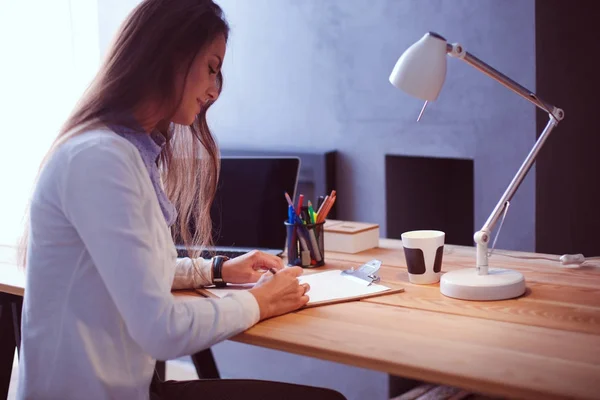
x,y
249,206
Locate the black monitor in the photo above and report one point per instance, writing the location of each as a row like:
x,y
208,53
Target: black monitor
x,y
250,206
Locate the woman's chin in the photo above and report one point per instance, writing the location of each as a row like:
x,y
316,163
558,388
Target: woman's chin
x,y
188,120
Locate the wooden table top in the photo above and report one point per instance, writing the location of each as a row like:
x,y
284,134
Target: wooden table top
x,y
545,344
12,278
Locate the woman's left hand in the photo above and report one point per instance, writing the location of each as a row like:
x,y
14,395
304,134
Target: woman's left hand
x,y
249,267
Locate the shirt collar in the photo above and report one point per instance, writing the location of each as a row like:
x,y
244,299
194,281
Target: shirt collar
x,y
150,145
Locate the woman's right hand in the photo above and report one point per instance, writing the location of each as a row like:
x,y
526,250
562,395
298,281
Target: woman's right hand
x,y
280,293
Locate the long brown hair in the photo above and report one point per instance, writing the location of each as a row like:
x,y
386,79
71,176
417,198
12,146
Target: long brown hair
x,y
158,38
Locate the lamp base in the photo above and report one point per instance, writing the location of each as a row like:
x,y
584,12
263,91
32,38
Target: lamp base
x,y
467,284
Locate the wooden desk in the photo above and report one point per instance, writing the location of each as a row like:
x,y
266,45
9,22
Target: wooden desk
x,y
544,345
12,279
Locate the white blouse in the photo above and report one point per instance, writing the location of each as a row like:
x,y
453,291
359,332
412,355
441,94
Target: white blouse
x,y
98,308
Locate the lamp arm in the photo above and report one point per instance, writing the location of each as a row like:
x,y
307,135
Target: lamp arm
x,y
456,50
482,237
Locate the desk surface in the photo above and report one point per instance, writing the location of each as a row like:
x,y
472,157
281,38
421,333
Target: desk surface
x,y
545,344
12,278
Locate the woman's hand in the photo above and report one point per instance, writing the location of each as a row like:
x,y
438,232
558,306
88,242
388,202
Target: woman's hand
x,y
249,267
280,293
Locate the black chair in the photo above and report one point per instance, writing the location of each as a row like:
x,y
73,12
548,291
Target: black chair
x,y
10,337
204,362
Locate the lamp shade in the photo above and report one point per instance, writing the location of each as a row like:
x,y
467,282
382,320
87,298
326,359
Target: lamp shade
x,y
421,69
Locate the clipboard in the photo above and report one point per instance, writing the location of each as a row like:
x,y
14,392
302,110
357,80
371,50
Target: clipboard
x,y
329,287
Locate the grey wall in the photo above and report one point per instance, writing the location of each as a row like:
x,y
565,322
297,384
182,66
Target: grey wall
x,y
314,74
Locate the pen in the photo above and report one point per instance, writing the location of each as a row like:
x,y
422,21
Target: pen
x,y
308,241
315,247
305,215
322,206
272,270
326,207
320,202
301,237
323,211
311,212
300,201
289,200
304,239
292,243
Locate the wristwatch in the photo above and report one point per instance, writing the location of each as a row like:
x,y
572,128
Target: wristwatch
x,y
217,270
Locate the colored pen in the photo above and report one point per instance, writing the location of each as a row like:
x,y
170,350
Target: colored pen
x,y
322,206
326,207
292,242
315,247
300,201
305,215
291,214
301,237
320,202
331,203
289,200
307,236
311,212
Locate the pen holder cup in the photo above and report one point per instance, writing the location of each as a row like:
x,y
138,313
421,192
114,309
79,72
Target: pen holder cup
x,y
305,244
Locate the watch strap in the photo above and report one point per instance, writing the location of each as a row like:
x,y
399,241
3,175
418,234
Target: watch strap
x,y
217,270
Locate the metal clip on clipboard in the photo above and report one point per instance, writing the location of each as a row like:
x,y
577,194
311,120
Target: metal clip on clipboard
x,y
366,272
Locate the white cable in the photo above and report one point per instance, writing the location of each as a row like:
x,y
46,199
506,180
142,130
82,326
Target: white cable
x,y
568,259
565,259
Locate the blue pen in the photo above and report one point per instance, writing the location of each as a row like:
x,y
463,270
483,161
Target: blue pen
x,y
305,238
292,245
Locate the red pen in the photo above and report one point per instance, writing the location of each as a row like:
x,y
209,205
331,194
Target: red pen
x,y
300,201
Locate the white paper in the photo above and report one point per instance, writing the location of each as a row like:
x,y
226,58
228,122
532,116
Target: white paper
x,y
324,286
332,285
222,292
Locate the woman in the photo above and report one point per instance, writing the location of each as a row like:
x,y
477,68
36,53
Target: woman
x,y
100,260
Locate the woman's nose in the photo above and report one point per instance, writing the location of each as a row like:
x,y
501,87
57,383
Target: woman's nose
x,y
212,93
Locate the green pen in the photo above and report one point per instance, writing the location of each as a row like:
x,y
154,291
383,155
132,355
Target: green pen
x,y
311,212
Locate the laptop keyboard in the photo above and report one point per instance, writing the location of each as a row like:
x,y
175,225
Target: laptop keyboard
x,y
231,253
226,253
182,252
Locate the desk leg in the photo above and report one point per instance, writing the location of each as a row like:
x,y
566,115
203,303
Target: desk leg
x,y
7,341
161,370
17,309
205,364
398,385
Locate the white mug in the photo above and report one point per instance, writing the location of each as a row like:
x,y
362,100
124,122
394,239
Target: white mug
x,y
423,251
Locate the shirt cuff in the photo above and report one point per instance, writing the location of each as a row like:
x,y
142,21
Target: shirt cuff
x,y
192,273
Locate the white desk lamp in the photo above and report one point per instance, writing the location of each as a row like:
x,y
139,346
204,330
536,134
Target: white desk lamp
x,y
420,72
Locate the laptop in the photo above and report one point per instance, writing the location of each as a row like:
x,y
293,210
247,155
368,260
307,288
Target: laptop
x,y
250,207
